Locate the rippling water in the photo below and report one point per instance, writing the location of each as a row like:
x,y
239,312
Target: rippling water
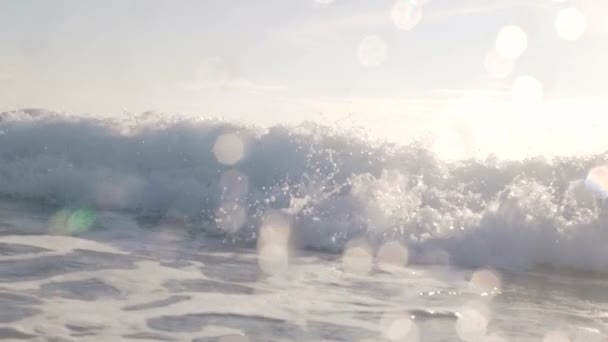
x,y
158,228
158,282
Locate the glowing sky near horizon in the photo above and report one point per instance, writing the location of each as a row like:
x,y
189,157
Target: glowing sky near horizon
x,y
511,77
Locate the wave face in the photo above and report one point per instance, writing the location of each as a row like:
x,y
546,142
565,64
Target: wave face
x,y
334,187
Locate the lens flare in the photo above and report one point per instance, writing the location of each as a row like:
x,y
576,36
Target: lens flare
x,y
597,181
372,51
72,222
511,42
406,14
571,24
229,149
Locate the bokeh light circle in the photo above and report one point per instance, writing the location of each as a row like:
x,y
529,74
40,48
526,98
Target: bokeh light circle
x,y
570,24
472,322
399,328
372,51
273,259
357,257
511,42
486,281
72,222
229,149
273,243
597,181
406,14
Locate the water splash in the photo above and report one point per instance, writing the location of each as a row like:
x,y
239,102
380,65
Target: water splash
x,y
333,187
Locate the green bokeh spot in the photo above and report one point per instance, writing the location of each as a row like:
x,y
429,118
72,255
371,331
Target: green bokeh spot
x,y
81,221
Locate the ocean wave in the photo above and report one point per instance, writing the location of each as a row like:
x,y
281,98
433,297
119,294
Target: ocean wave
x,y
332,185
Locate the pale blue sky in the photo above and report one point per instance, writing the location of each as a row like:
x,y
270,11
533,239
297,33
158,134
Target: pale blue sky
x,y
265,61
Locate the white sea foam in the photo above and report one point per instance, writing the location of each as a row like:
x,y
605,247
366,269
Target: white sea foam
x,y
337,187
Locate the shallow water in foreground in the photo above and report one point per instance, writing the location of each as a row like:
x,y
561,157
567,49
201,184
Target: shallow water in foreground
x,y
162,285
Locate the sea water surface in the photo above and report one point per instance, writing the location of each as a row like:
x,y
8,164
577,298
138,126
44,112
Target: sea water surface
x,y
161,229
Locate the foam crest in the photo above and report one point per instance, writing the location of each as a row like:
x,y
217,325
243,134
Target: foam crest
x,y
334,186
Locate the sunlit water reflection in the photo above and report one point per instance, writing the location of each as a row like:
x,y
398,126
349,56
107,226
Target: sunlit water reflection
x,y
156,282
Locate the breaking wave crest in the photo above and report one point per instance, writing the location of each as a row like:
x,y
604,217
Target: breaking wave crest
x,y
334,186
